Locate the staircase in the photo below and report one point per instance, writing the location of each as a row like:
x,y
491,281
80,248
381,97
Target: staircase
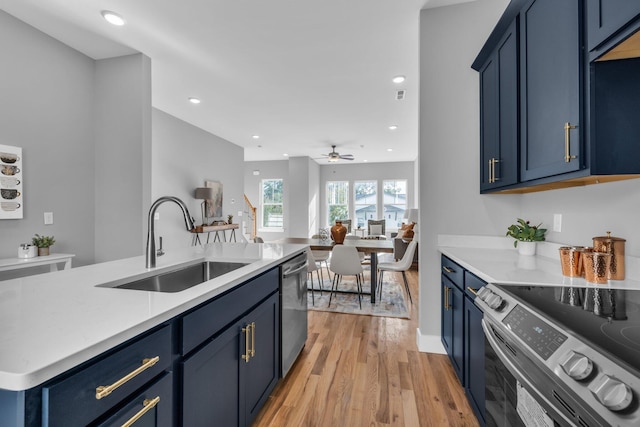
x,y
250,225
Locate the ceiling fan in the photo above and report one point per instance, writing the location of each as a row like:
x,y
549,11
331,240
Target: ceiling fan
x,y
334,156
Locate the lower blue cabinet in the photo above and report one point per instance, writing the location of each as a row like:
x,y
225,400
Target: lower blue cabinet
x,y
227,381
474,358
152,407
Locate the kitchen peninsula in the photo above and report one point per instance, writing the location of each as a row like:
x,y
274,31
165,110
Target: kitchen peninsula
x,y
61,326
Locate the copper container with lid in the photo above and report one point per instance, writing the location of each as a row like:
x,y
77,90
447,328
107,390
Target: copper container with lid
x,y
615,247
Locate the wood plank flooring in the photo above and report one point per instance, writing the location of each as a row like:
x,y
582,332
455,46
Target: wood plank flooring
x,y
367,371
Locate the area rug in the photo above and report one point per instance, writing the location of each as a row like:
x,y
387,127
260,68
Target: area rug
x,y
392,303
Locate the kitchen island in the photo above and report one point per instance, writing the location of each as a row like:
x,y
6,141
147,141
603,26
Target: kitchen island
x,y
54,323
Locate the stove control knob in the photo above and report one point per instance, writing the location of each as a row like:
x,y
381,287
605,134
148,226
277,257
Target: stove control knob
x,y
494,301
613,394
576,365
483,293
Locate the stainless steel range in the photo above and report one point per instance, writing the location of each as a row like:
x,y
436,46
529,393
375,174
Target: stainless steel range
x,y
561,355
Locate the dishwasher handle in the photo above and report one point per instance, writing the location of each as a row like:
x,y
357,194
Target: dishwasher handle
x,y
294,270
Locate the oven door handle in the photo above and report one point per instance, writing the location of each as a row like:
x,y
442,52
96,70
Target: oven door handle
x,y
515,371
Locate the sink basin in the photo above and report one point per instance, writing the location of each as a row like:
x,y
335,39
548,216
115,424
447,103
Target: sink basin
x,y
181,278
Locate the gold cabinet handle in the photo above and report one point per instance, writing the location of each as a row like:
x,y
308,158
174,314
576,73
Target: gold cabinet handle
x,y
147,405
448,270
102,391
473,291
493,169
567,142
253,339
446,298
246,356
490,171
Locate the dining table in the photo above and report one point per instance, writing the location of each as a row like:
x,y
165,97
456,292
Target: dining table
x,y
368,246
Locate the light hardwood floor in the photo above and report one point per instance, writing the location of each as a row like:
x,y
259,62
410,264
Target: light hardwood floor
x,y
367,371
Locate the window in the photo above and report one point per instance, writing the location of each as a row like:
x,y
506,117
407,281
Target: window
x,y
272,208
395,202
337,200
366,204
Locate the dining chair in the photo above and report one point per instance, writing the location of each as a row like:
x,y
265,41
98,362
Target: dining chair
x,y
322,257
312,266
345,261
352,237
401,266
376,227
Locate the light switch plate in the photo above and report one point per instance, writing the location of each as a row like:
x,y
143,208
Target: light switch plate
x,y
48,218
239,214
557,222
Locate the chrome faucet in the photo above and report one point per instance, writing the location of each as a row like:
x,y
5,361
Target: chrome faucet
x,y
151,233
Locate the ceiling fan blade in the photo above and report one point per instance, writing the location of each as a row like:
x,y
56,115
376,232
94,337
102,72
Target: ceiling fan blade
x,y
346,156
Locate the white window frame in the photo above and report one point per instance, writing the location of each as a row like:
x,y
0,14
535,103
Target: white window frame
x,y
264,204
329,194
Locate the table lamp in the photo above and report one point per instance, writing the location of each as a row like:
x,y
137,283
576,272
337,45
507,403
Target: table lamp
x,y
204,194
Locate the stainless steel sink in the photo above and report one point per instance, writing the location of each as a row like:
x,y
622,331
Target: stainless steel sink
x,y
181,278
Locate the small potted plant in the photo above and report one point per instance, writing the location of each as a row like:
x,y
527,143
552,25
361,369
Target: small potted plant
x,y
527,235
229,219
43,243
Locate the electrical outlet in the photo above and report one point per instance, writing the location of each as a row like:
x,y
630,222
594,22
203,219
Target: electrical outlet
x,y
557,222
239,214
48,218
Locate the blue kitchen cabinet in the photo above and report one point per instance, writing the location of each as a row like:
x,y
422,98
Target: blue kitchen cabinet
x,y
499,114
605,18
227,381
551,102
474,348
452,319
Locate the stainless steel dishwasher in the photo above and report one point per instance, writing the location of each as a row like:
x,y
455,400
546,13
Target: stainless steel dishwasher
x,y
293,303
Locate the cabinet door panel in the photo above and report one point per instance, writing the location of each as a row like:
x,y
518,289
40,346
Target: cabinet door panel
x,y
489,119
550,64
446,318
606,17
474,358
457,305
211,382
259,376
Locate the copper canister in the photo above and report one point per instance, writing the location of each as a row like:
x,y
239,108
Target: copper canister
x,y
570,260
615,247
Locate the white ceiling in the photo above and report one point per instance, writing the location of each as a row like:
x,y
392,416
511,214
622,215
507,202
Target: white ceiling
x,y
302,75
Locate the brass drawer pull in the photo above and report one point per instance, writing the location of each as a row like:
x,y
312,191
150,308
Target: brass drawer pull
x,y
253,339
147,405
102,391
247,352
446,298
473,291
567,142
448,270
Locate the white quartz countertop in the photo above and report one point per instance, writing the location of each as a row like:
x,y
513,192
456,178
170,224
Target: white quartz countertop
x,y
52,322
495,260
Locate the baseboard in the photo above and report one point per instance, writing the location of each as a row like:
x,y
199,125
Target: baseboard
x,y
429,343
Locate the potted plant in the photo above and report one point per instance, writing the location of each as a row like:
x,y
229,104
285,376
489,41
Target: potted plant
x,y
229,219
527,235
43,243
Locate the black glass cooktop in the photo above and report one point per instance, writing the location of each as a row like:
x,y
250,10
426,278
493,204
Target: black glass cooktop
x,y
606,319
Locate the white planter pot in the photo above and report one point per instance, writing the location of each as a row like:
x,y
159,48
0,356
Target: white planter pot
x,y
527,248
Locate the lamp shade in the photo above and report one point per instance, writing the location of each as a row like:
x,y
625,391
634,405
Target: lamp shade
x,y
411,215
204,193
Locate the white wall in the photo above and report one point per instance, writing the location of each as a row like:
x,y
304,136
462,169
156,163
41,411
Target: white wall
x,y
183,158
449,160
303,196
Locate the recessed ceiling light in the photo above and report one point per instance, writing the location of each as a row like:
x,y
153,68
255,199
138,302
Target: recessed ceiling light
x,y
286,155
393,127
194,100
113,18
389,149
365,161
398,79
256,137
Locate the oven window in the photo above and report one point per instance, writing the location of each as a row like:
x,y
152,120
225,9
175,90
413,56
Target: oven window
x,y
500,392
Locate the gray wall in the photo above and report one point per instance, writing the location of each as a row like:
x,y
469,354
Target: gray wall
x,y
90,155
184,156
47,107
449,159
122,154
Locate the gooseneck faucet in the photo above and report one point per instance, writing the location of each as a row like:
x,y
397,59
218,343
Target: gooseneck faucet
x,y
151,229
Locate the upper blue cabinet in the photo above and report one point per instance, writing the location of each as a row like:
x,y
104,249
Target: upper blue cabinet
x,y
606,18
553,114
